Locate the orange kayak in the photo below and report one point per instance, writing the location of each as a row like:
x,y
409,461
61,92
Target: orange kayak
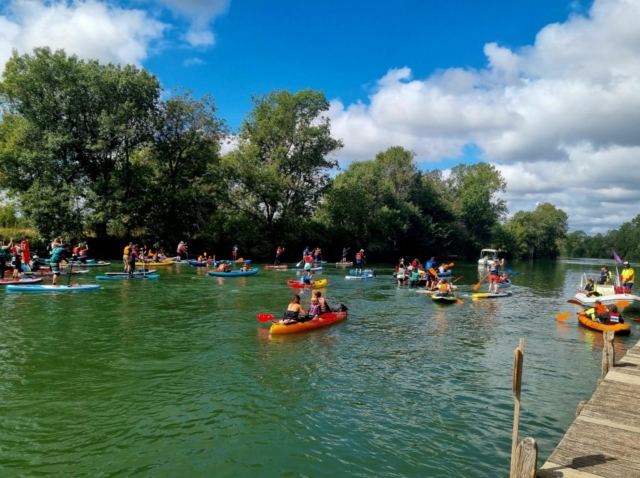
x,y
619,329
322,321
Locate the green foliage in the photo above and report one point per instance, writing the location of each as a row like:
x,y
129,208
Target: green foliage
x,y
387,206
539,233
280,169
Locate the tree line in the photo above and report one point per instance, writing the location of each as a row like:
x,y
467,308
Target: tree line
x,y
100,152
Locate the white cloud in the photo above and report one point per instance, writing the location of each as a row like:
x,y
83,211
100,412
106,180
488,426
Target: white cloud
x,y
89,29
193,62
201,14
559,118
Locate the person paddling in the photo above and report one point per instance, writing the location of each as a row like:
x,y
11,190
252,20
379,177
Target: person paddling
x,y
295,312
58,254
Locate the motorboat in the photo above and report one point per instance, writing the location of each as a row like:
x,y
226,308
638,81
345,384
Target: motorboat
x,y
487,256
610,294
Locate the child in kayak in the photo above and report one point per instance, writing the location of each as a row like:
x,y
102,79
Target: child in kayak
x,y
314,309
324,307
444,289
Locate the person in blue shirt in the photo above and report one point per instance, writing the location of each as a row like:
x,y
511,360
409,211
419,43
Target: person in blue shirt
x,y
58,254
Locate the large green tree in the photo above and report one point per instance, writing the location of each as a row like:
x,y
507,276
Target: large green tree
x,y
387,206
280,169
71,130
474,193
539,233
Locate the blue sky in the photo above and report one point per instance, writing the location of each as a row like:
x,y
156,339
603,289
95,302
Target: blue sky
x,y
547,91
342,47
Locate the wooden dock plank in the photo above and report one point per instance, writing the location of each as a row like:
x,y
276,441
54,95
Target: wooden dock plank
x,y
604,439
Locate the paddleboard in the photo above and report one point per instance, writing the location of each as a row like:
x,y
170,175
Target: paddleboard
x,y
135,276
53,288
365,276
10,281
115,274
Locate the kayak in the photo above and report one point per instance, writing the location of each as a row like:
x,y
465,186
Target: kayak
x,y
344,264
321,321
199,264
53,288
115,274
283,267
20,281
445,273
316,285
313,269
447,299
492,295
231,261
126,277
90,264
250,272
49,273
319,262
618,329
364,276
504,284
431,292
155,264
366,271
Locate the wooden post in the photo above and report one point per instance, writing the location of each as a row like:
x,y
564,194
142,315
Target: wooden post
x,y
518,358
526,465
608,353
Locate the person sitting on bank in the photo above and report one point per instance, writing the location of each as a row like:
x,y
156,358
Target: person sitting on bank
x,y
295,312
591,289
605,276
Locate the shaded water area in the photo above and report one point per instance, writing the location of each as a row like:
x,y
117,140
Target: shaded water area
x,y
176,377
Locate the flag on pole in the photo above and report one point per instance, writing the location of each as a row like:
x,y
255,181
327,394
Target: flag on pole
x,y
616,257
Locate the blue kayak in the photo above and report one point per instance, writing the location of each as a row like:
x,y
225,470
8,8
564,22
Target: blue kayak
x,y
505,284
135,276
313,269
354,272
250,272
231,261
445,273
53,288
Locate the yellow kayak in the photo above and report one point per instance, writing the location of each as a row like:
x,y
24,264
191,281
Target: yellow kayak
x,y
155,264
319,284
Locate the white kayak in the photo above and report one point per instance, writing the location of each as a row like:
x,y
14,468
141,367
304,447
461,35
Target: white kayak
x,y
53,288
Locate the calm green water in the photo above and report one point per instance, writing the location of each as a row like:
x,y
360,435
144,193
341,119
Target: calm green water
x,y
176,377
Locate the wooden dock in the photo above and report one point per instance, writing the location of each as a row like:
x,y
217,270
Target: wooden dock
x,y
604,439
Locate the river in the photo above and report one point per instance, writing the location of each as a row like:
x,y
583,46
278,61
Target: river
x,y
175,377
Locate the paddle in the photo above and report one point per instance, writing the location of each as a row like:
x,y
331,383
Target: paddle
x,y
433,272
266,317
477,286
563,316
70,270
459,301
636,320
575,302
449,266
456,279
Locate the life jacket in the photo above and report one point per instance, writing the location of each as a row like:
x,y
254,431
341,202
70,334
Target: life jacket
x,y
58,254
627,276
314,309
126,250
614,317
308,259
493,270
414,263
443,287
359,256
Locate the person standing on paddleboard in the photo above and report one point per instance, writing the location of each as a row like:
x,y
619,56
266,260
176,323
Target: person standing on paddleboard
x,y
494,274
279,252
308,262
344,253
360,260
59,254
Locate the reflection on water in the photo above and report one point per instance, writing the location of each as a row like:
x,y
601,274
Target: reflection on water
x,y
176,377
